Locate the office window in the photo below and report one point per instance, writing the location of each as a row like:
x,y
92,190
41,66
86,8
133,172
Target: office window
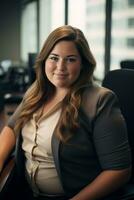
x,y
28,30
122,38
131,2
89,16
51,17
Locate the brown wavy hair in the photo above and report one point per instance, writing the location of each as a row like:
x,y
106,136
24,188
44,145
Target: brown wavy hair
x,y
42,89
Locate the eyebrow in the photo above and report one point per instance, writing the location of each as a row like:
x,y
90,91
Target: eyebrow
x,y
66,56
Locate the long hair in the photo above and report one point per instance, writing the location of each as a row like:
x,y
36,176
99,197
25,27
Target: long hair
x,y
42,89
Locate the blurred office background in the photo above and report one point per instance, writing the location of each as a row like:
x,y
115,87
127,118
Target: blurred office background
x,y
107,24
25,24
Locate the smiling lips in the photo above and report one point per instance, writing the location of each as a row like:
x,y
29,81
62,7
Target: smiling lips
x,y
60,75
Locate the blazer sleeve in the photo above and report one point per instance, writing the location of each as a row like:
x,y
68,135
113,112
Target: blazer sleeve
x,y
110,133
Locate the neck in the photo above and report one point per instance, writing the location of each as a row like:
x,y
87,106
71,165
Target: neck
x,y
60,93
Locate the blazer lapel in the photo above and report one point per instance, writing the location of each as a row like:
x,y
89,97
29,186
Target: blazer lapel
x,y
55,150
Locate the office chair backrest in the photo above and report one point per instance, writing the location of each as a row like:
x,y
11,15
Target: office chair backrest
x,y
121,81
127,64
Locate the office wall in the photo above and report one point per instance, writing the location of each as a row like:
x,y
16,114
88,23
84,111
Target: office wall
x,y
10,30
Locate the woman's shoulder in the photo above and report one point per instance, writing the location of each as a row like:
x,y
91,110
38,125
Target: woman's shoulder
x,y
96,91
95,98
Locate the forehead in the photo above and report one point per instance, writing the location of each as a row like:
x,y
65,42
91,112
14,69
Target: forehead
x,y
65,47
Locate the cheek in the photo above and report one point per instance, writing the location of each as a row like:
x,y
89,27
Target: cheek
x,y
48,68
76,71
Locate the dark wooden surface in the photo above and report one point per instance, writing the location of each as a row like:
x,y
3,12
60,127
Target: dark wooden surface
x,y
6,172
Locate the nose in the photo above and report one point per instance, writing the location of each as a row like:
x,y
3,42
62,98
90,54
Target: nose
x,y
61,64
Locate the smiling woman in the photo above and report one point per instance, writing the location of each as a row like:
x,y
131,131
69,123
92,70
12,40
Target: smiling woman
x,y
69,130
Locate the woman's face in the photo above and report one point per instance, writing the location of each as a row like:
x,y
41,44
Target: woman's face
x,y
63,65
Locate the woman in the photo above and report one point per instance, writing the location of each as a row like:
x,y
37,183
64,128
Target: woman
x,y
70,131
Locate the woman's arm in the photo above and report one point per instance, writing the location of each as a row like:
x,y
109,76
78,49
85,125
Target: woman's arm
x,y
7,142
112,147
8,136
106,183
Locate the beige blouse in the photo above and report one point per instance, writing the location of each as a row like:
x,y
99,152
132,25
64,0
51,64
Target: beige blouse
x,y
40,168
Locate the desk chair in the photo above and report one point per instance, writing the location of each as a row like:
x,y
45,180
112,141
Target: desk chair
x,y
127,64
121,81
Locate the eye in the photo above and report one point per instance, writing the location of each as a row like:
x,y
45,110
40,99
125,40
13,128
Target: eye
x,y
54,58
71,59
